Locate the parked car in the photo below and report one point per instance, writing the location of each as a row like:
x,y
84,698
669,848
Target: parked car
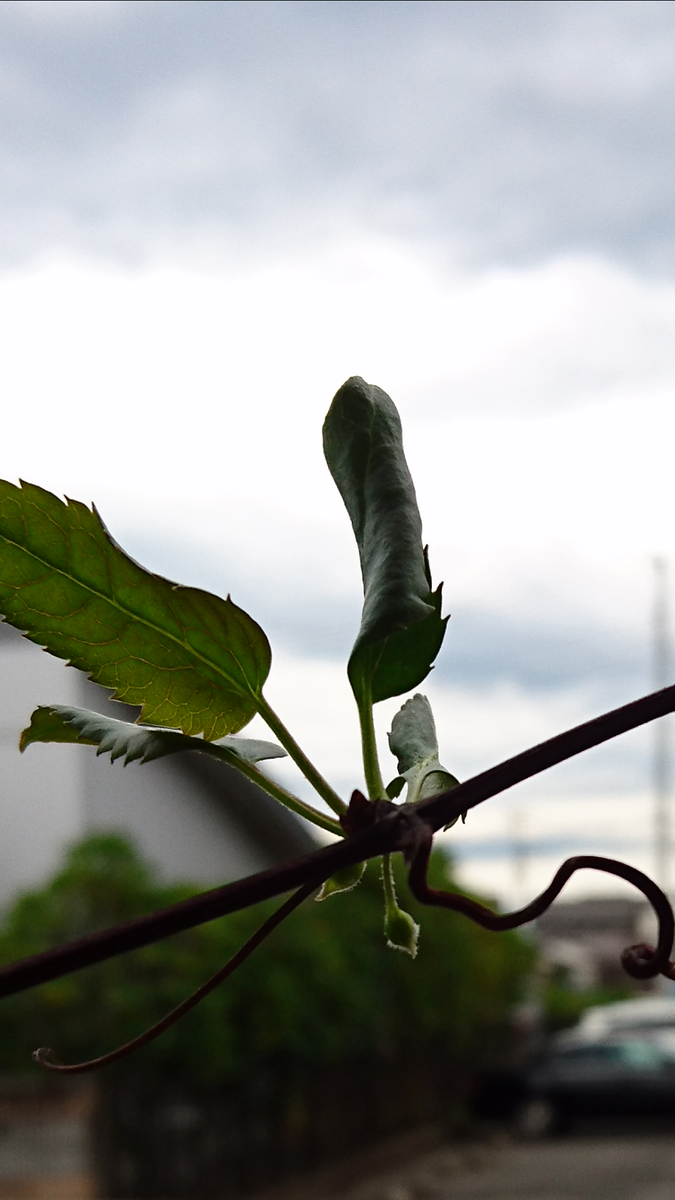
x,y
627,1016
631,1074
619,1058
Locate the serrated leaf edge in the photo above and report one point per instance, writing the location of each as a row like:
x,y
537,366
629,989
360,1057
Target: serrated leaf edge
x,y
125,611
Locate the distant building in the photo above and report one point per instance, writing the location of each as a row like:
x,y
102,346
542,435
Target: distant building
x,y
194,818
585,938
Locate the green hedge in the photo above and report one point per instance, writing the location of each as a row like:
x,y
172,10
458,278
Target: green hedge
x,y
324,987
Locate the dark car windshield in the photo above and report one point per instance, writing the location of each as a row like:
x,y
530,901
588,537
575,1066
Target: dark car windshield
x,y
634,1053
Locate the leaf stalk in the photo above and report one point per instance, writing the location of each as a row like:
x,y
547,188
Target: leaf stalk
x,y
312,775
280,793
371,762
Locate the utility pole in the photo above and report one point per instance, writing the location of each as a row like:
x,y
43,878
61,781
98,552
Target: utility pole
x,y
519,853
662,759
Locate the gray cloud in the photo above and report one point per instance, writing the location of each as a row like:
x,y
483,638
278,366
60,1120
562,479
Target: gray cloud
x,y
501,131
483,646
498,849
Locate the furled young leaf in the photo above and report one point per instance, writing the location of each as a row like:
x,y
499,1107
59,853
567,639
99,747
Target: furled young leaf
x,y
400,930
401,626
343,881
395,788
142,743
414,743
191,660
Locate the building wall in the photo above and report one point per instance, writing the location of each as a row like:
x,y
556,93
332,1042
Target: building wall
x,y
171,812
45,1140
41,795
193,819
587,938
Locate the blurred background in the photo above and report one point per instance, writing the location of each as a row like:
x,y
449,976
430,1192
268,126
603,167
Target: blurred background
x,y
213,213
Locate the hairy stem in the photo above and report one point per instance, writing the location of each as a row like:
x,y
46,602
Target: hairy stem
x,y
320,785
390,897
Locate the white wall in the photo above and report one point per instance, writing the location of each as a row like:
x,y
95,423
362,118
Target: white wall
x,y
41,801
172,815
54,794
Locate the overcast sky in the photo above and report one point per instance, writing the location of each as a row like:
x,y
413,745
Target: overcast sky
x,y
213,213
497,132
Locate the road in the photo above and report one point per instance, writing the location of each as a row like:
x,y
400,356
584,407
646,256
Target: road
x,y
622,1165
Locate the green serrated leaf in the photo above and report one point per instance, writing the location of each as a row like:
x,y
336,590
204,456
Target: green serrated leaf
x,y
191,660
401,626
342,881
134,743
414,743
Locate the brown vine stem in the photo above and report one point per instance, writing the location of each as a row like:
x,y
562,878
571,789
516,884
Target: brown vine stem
x,y
389,833
42,1056
438,811
641,961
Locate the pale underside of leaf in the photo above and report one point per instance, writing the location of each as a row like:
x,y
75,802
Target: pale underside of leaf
x,y
191,660
121,739
134,743
414,743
